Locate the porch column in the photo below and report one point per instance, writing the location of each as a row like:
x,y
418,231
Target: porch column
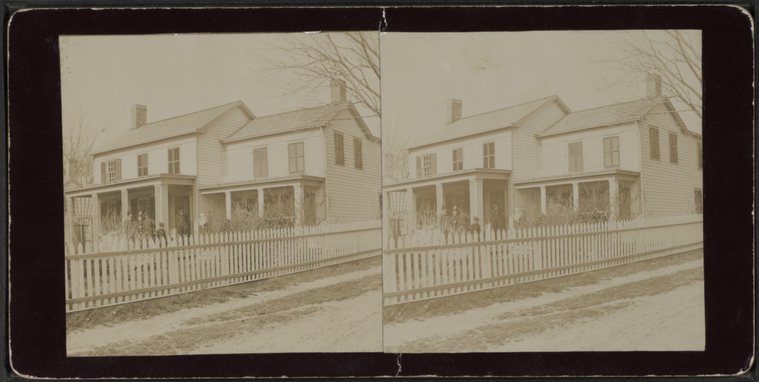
x,y
543,200
439,199
124,204
576,196
613,193
260,192
162,206
411,211
95,216
228,203
476,200
298,203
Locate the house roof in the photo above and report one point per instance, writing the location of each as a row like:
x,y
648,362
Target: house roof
x,y
295,120
167,128
484,122
604,116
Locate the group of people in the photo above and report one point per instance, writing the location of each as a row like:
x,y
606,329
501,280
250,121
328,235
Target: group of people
x,y
458,221
143,227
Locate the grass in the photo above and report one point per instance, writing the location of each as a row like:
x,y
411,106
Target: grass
x,y
516,326
205,331
111,315
459,303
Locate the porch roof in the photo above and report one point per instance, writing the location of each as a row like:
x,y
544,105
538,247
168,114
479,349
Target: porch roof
x,y
258,183
572,177
475,173
150,180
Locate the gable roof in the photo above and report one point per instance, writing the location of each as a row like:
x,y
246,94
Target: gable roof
x,y
485,122
296,120
625,112
168,128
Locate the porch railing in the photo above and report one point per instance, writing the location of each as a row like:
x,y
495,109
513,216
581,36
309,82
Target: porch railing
x,y
431,264
118,269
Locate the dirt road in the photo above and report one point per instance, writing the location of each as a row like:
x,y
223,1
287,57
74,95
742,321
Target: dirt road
x,y
336,314
662,309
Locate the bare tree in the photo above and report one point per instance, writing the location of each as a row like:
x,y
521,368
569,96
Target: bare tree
x,y
673,55
313,60
79,137
395,156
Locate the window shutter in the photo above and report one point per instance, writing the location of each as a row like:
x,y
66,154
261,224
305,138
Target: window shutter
x,y
176,161
118,169
434,164
418,167
103,179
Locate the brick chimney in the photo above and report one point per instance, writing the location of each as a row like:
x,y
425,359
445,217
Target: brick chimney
x,y
453,111
73,169
139,115
653,85
338,90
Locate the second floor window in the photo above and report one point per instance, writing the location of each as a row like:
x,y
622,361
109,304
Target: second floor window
x,y
575,156
296,157
426,165
142,165
339,149
174,160
654,136
673,148
260,163
358,156
458,159
488,155
611,152
110,171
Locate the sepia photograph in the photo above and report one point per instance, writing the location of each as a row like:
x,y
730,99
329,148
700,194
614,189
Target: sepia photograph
x,y
222,193
542,191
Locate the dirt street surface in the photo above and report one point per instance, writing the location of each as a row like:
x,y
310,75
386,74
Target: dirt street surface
x,y
656,310
335,314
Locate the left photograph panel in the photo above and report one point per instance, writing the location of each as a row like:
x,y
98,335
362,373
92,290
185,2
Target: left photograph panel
x,y
222,193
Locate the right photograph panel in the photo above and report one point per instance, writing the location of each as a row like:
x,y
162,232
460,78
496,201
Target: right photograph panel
x,y
542,191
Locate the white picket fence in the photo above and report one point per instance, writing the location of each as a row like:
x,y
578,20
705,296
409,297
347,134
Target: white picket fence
x,y
430,264
117,270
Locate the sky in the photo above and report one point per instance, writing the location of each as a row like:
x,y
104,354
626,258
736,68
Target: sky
x,y
490,71
103,76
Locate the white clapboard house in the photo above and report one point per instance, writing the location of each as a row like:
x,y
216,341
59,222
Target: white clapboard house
x,y
638,154
226,156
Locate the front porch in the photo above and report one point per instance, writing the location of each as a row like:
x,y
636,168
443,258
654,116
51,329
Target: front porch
x,y
420,203
611,195
299,199
103,208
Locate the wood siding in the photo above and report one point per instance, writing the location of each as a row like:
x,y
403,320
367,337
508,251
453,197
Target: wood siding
x,y
158,158
473,153
210,150
240,155
668,188
527,149
556,150
352,193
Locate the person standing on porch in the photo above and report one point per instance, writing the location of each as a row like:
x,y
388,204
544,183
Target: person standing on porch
x,y
128,229
148,226
496,219
475,227
183,225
